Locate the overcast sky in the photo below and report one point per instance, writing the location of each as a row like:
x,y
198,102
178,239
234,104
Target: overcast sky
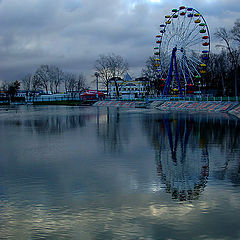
x,y
72,33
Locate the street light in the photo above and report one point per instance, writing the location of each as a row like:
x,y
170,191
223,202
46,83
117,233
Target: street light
x,y
199,86
97,75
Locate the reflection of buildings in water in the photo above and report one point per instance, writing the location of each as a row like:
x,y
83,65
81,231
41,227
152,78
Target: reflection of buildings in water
x,y
183,170
111,128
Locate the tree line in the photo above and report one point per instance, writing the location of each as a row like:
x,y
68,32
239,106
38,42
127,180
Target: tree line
x,y
224,66
48,78
51,78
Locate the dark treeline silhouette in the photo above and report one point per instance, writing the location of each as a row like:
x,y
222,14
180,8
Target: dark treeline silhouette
x,y
50,124
223,66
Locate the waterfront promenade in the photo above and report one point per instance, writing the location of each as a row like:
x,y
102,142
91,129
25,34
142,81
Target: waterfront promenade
x,y
200,106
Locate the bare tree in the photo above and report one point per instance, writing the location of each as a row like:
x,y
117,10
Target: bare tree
x,y
70,82
43,77
56,77
222,69
50,77
35,85
26,83
150,72
218,69
110,67
31,84
227,37
12,89
81,83
4,86
236,31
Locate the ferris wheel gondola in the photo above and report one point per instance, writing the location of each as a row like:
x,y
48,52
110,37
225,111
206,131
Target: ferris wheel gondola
x,y
182,51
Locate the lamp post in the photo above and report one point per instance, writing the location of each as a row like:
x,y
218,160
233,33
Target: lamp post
x,y
199,86
97,75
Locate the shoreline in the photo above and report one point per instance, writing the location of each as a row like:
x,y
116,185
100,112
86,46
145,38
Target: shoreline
x,y
232,108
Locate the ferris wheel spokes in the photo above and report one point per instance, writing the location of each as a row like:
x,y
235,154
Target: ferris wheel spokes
x,y
183,48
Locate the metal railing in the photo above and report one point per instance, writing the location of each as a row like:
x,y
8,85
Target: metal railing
x,y
184,98
46,98
195,98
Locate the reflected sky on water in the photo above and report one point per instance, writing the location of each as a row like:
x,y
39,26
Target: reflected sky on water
x,y
110,173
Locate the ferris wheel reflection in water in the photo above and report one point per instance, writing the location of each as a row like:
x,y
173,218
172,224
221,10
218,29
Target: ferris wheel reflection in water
x,y
184,170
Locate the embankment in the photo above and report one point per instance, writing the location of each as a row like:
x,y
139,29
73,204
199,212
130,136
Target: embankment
x,y
224,107
197,106
126,104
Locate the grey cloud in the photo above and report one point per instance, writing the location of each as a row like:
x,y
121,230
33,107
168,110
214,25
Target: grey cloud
x,y
72,33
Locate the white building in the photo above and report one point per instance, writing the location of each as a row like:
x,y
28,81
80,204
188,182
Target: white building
x,y
127,88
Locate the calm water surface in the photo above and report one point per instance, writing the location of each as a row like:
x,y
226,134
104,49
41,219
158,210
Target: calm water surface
x,y
109,173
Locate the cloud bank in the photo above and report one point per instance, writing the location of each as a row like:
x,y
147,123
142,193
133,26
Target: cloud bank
x,y
72,33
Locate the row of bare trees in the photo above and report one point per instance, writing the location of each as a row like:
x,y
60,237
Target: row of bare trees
x,y
51,78
109,67
227,62
223,66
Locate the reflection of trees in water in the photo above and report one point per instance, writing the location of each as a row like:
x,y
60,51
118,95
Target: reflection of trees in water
x,y
50,123
181,143
223,134
219,131
112,129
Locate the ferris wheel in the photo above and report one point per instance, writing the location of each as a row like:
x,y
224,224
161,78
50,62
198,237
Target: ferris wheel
x,y
182,51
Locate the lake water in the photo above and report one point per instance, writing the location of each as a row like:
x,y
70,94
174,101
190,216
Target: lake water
x,y
111,173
